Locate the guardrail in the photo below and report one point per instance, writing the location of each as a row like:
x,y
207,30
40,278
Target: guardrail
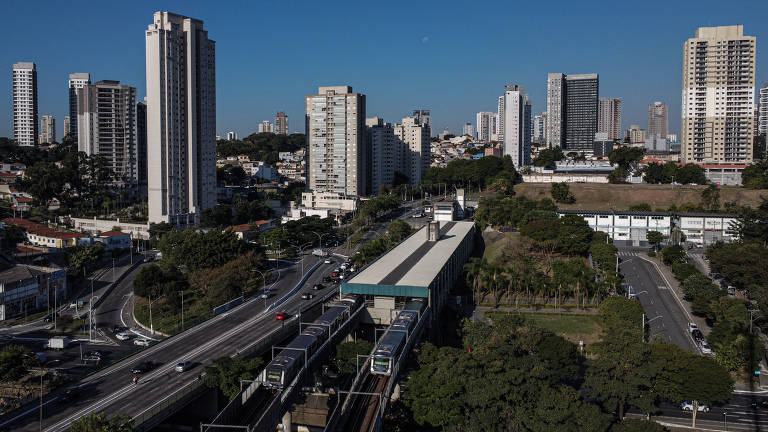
x,y
170,404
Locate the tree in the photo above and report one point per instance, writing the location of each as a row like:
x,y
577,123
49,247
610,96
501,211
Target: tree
x,y
625,157
655,238
561,193
226,373
398,230
347,352
710,198
672,254
755,176
547,157
15,360
193,250
702,292
99,422
618,176
640,207
691,173
82,256
44,181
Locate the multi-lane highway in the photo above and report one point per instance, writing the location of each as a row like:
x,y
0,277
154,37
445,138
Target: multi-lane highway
x,y
112,391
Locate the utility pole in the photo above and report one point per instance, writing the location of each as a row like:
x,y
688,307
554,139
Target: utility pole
x,y
182,310
643,329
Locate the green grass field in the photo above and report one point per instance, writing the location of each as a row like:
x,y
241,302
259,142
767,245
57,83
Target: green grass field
x,y
573,327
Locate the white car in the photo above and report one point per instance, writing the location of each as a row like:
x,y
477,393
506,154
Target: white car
x,y
183,366
123,336
142,342
705,348
688,406
692,327
328,261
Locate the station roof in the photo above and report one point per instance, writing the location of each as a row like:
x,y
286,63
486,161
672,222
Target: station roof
x,y
409,268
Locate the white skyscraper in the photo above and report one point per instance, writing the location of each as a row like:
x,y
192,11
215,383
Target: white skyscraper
x,y
517,125
500,120
231,135
763,110
181,119
415,138
609,117
76,82
469,129
555,111
25,104
718,96
337,158
266,126
486,126
47,130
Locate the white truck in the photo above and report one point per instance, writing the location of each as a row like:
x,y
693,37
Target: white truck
x,y
58,343
320,253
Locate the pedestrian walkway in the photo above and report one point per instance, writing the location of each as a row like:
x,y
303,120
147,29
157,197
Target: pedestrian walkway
x,y
626,253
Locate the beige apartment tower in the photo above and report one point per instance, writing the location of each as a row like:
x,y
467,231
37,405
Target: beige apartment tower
x,y
181,119
25,126
718,96
609,117
335,129
657,120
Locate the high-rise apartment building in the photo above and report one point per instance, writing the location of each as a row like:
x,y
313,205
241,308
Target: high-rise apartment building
x,y
555,109
265,126
718,96
47,130
106,124
386,152
763,110
635,134
581,96
25,128
76,82
337,157
414,136
486,126
657,120
231,135
67,126
609,117
517,125
500,120
141,144
281,123
181,119
572,111
540,128
423,117
468,129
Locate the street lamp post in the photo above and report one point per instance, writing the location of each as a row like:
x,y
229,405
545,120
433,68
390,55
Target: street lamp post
x,y
151,324
182,310
263,286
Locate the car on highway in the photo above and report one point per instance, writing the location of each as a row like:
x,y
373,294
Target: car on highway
x,y
692,327
69,395
92,358
705,348
307,296
688,406
118,329
328,261
418,215
123,336
697,335
335,274
94,353
183,366
318,286
265,294
280,316
760,403
76,304
143,367
142,342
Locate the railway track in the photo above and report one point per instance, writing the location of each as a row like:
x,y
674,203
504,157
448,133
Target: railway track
x,y
364,408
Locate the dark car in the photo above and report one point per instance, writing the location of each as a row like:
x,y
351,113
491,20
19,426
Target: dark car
x,y
307,296
697,335
318,287
117,329
69,395
48,318
327,279
143,367
93,354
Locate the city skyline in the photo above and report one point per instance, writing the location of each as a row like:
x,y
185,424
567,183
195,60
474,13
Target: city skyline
x,y
248,94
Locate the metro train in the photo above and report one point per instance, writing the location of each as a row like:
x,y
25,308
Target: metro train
x,y
393,341
281,371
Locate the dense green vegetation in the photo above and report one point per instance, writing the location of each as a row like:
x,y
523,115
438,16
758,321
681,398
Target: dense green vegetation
x,y
99,422
397,230
15,360
547,157
561,193
670,172
486,172
226,373
755,176
261,146
242,210
512,212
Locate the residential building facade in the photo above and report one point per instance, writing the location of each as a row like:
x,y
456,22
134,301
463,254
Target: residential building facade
x,y
718,96
107,128
540,128
763,110
517,125
486,126
609,118
25,126
47,130
265,127
337,158
67,125
415,141
581,96
76,82
181,119
468,129
555,109
281,123
386,152
657,120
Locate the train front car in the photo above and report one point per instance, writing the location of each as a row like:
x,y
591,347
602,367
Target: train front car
x,y
389,347
281,371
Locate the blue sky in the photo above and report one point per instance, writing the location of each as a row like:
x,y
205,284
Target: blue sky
x,y
448,56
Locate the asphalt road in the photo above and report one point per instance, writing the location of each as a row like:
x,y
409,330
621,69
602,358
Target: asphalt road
x,y
740,415
664,317
112,392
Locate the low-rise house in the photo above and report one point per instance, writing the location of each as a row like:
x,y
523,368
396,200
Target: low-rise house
x,y
26,289
114,240
41,235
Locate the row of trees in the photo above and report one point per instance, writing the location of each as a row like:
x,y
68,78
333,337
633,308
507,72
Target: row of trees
x,y
242,210
298,232
488,171
397,230
625,158
512,212
670,172
508,375
755,176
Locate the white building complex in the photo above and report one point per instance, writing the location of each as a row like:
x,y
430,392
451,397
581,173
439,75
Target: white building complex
x,y
386,152
517,124
415,138
25,128
631,227
335,137
266,126
47,130
718,96
181,119
486,125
